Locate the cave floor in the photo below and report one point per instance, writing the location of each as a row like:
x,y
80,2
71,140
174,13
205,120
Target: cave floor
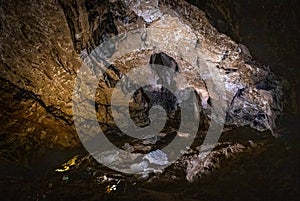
x,y
268,173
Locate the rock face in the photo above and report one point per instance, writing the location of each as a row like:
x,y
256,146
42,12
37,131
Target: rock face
x,y
257,26
41,44
38,68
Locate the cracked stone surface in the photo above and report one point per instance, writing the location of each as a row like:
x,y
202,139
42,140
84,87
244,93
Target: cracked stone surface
x,y
41,44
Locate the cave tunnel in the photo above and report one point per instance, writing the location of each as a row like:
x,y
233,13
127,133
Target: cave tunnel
x,y
192,100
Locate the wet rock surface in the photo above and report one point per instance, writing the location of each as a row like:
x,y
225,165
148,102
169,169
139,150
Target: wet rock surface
x,y
40,56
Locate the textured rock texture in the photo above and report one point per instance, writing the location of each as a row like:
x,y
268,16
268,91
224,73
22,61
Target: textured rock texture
x,y
269,29
38,68
41,44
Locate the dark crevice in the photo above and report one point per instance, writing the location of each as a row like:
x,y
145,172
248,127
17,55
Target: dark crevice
x,y
72,17
164,60
89,32
266,84
111,76
227,70
238,94
24,94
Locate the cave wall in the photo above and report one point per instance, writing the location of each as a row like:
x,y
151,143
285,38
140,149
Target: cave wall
x,y
38,68
41,43
270,29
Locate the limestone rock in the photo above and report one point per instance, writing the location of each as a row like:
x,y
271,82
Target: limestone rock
x,y
41,44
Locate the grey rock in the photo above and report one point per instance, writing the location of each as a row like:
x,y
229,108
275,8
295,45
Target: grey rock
x,y
157,157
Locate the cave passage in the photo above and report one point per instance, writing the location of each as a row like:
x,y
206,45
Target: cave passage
x,y
250,47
